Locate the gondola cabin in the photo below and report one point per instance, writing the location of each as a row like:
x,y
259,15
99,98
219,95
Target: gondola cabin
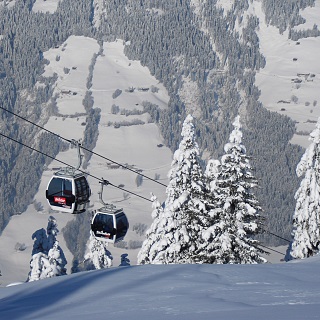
x,y
68,192
109,224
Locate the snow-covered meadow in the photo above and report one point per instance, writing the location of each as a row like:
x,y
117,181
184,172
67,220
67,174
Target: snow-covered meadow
x,y
45,6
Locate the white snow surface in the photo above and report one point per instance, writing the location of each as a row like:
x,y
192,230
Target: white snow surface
x,y
75,54
45,6
226,5
99,11
311,14
8,3
283,291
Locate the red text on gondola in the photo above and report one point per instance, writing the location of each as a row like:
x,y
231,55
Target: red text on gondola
x,y
60,200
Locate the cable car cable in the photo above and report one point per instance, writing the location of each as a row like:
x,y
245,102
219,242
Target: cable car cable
x,y
53,158
261,245
94,153
276,235
60,161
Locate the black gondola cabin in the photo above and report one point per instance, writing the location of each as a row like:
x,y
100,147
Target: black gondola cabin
x,y
109,224
68,192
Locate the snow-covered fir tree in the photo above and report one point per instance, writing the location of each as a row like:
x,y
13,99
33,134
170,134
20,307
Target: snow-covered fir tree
x,y
211,174
213,168
48,259
52,231
173,237
57,260
98,256
306,218
47,265
38,265
234,215
149,247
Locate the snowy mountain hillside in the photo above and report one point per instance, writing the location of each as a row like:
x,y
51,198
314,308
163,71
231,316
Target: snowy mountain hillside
x,y
290,79
130,145
121,76
225,292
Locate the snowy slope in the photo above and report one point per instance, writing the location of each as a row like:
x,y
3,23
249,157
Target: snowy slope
x,y
137,145
134,145
45,6
284,291
8,3
225,4
292,69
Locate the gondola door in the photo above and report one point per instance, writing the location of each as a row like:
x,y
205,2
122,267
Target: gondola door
x,y
122,226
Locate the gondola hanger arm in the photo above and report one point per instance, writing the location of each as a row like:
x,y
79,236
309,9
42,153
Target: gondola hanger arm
x,y
103,182
77,144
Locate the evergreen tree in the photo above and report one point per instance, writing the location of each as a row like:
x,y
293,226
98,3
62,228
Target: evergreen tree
x,y
234,215
98,256
48,259
52,231
306,218
176,232
38,265
205,253
57,260
149,249
211,174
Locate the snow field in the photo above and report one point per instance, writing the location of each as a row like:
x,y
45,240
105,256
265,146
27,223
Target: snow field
x,y
288,292
225,4
8,3
76,55
116,71
45,6
311,14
